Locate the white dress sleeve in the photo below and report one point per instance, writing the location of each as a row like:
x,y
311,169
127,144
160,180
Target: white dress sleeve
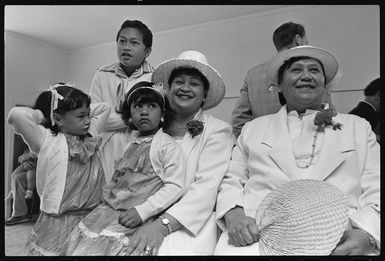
x,y
114,121
99,114
25,121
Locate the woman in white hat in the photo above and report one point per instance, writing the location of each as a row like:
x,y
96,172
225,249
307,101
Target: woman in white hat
x,y
304,140
188,227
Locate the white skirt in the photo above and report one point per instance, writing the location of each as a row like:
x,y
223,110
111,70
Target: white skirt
x,y
182,242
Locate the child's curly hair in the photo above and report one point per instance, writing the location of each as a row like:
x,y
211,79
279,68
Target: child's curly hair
x,y
145,95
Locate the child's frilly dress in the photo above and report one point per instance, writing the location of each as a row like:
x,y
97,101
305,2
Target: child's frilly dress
x,y
133,181
82,193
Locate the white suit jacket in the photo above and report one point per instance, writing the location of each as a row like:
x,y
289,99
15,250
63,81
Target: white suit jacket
x,y
263,159
208,157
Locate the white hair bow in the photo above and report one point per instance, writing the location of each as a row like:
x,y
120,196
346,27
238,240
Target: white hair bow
x,y
55,97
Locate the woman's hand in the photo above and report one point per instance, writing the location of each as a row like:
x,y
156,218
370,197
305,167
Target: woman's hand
x,y
242,229
130,218
353,242
150,235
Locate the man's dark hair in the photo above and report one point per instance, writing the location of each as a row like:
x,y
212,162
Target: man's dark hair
x,y
372,88
285,33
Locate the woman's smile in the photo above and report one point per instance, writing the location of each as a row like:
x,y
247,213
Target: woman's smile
x,y
308,86
183,95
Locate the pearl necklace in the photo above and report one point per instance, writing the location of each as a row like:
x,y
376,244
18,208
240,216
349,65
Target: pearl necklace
x,y
312,152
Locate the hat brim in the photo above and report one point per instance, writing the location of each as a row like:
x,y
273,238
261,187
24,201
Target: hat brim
x,y
216,91
327,59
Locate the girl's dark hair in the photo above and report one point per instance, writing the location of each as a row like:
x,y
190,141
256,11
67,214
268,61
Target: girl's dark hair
x,y
145,96
73,99
286,64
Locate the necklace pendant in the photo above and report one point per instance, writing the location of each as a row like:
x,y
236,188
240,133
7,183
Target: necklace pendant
x,y
303,167
300,116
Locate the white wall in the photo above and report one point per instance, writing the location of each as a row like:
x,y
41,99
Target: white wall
x,y
232,46
30,67
83,63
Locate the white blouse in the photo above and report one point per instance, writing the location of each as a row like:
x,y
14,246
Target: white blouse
x,y
302,131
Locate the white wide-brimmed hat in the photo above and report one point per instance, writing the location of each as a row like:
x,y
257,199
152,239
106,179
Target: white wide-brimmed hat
x,y
328,60
302,217
193,59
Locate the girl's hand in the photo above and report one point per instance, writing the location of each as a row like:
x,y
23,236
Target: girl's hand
x,y
353,242
20,159
242,230
150,235
26,156
29,165
130,218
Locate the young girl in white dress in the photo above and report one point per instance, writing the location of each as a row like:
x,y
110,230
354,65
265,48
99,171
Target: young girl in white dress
x,y
69,175
148,178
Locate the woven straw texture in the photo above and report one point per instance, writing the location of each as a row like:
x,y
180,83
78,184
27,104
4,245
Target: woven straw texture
x,y
302,217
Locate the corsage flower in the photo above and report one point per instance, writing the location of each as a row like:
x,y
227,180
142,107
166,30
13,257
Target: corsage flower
x,y
324,118
195,127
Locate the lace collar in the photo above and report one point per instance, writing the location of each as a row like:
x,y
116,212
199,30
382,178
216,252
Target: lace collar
x,y
140,139
82,148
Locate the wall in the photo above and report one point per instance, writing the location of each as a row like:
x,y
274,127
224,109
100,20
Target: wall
x,y
30,67
232,46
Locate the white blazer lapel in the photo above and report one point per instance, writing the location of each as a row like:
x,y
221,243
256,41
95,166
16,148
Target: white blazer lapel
x,y
188,143
331,154
277,137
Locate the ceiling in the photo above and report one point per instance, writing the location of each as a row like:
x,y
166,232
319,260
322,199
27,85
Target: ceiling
x,y
76,26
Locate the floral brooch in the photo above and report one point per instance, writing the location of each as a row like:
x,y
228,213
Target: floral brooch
x,y
324,118
195,127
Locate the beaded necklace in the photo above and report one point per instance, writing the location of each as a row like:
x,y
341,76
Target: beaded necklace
x,y
312,152
300,116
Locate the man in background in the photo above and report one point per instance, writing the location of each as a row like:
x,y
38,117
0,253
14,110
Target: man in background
x,y
369,108
256,98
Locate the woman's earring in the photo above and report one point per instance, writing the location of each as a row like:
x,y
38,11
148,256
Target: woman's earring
x,y
203,102
161,120
130,120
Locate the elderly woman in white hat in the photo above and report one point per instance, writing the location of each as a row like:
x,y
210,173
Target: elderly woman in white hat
x,y
189,227
304,140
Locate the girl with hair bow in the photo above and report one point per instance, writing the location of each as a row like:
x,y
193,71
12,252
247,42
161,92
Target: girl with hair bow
x,y
69,176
